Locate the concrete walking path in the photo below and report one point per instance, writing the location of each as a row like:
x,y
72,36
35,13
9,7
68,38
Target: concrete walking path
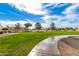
x,y
48,47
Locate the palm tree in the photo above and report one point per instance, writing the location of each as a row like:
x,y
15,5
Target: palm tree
x,y
38,26
27,25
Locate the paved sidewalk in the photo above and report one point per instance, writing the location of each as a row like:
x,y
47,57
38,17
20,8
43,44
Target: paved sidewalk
x,y
48,47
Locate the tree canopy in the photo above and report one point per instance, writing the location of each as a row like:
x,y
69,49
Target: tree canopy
x,y
38,25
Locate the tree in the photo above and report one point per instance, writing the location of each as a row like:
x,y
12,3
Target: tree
x,y
38,26
17,26
27,25
52,26
7,26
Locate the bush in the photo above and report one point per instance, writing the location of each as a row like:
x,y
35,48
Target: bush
x,y
9,31
1,32
4,28
5,31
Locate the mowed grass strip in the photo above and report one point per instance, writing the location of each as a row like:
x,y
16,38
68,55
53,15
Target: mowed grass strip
x,y
21,44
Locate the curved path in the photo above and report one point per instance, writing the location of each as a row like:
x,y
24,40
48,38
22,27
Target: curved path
x,y
48,47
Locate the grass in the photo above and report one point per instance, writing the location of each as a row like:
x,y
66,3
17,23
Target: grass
x,y
22,43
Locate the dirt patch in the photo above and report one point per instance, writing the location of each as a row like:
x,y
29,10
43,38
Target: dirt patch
x,y
67,50
6,34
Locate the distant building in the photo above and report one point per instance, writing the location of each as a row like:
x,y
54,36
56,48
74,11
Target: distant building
x,y
77,29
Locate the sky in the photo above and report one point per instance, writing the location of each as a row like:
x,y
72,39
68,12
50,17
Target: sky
x,y
62,14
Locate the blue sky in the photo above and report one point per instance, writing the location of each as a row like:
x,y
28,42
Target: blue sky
x,y
62,14
12,13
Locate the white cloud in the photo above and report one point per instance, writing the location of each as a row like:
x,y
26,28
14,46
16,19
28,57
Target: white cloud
x,y
70,15
41,1
33,8
61,21
49,19
12,23
55,5
37,8
49,4
71,9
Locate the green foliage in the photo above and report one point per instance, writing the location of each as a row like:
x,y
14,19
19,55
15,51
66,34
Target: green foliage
x,y
27,25
17,26
38,25
4,28
52,26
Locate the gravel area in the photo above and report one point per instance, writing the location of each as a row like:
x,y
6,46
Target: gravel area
x,y
67,50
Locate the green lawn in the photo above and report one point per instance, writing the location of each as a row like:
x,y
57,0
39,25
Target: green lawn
x,y
22,43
